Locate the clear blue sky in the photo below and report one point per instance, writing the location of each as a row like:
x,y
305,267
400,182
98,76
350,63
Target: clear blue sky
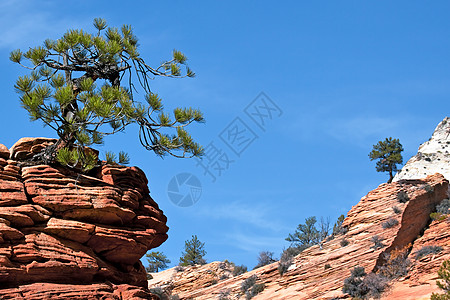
x,y
345,74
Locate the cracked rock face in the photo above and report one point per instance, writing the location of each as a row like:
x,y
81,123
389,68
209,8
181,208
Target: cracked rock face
x,y
433,156
64,234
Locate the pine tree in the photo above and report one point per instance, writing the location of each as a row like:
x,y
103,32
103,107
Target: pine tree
x,y
156,261
388,153
193,252
444,274
305,235
74,87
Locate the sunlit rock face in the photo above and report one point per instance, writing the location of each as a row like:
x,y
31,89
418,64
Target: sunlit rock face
x,y
319,272
433,156
70,236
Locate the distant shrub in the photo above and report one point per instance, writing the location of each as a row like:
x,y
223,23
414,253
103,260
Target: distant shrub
x,y
287,258
258,288
174,297
396,209
250,288
402,197
149,276
362,286
377,242
265,258
238,270
160,292
438,216
224,294
428,188
338,228
374,285
327,266
344,242
179,268
396,264
248,283
426,250
389,223
443,207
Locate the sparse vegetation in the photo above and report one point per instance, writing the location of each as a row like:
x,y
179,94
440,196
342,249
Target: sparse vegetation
x,y
344,242
327,266
161,293
396,209
307,235
250,288
438,216
402,197
265,258
338,228
396,264
224,294
389,223
377,242
427,250
428,188
444,275
363,286
238,270
286,259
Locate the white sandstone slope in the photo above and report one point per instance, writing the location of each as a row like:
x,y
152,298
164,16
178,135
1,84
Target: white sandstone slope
x,y
433,156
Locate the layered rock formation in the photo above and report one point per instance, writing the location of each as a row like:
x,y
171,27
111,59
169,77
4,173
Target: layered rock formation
x,y
319,273
433,156
71,236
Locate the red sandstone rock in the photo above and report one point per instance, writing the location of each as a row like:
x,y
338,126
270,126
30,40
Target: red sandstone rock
x,y
308,278
25,148
73,236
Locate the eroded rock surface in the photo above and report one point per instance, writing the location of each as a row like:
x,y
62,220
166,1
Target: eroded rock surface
x,y
74,236
319,273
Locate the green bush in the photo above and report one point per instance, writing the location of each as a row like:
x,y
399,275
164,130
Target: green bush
x,y
444,274
438,216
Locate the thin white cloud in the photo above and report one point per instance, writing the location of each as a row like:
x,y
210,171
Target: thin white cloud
x,y
28,23
360,130
254,243
261,216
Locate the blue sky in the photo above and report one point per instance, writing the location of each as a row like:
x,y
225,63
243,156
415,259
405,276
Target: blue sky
x,y
344,74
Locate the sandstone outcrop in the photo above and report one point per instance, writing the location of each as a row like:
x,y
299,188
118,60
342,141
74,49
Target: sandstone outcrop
x,y
319,272
71,236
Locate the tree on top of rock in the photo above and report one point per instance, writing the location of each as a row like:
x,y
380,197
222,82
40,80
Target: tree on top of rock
x,y
388,153
74,87
194,250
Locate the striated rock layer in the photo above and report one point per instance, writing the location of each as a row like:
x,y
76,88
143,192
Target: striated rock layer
x,y
71,236
319,273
